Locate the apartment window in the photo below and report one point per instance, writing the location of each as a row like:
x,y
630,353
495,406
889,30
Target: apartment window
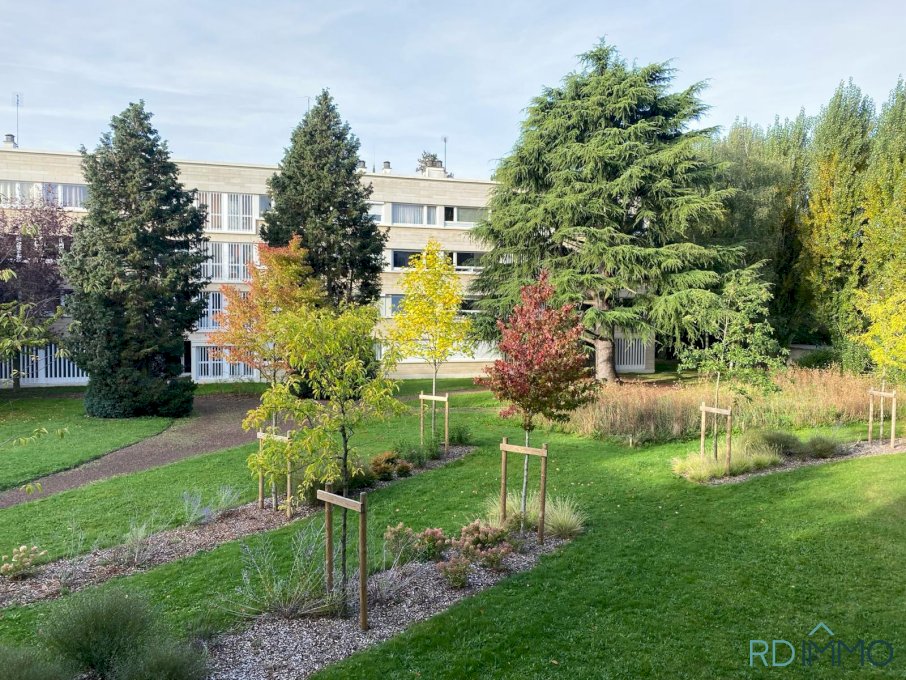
x,y
264,204
239,257
376,212
212,268
212,200
470,214
401,258
408,213
432,214
469,306
239,213
395,301
467,260
213,307
206,365
449,214
73,195
12,192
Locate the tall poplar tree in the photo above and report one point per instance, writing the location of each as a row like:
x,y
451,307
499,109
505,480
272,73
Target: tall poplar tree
x,y
884,200
318,194
604,187
832,257
135,270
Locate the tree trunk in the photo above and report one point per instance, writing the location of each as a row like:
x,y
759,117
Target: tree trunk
x,y
433,403
17,371
716,405
343,528
605,360
524,485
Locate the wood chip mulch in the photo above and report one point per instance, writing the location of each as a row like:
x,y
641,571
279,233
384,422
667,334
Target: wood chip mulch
x,y
272,648
66,575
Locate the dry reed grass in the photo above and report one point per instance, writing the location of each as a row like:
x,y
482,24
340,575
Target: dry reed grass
x,y
642,412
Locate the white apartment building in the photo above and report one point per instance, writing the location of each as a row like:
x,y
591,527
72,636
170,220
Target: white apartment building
x,y
412,208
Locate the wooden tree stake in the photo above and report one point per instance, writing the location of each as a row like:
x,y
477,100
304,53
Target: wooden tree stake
x,y
882,396
726,412
360,507
506,447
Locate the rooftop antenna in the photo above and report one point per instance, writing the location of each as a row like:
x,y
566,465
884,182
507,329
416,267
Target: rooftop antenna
x,y
444,140
18,102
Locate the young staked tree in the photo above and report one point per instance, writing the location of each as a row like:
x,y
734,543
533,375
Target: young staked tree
x,y
429,323
318,194
33,237
135,271
832,257
604,187
328,345
544,370
740,347
282,281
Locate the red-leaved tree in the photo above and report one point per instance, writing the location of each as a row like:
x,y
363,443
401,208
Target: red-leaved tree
x,y
544,370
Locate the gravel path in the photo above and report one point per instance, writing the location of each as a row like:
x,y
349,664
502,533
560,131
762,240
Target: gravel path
x,y
216,423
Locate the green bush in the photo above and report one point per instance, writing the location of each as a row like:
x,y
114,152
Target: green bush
x,y
97,630
26,663
164,661
821,447
460,435
455,571
819,358
562,518
128,393
175,399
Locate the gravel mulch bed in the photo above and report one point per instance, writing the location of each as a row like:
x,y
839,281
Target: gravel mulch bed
x,y
849,451
49,580
273,648
215,424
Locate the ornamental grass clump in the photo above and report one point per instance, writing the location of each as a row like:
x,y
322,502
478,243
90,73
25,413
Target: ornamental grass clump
x,y
514,516
563,518
20,562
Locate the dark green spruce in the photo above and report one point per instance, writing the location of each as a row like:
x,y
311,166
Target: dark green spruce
x,y
604,187
318,194
135,271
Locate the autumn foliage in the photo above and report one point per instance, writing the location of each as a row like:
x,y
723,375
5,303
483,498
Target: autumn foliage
x,y
544,370
281,281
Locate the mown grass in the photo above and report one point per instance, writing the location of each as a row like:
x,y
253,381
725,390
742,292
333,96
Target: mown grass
x,y
670,579
86,438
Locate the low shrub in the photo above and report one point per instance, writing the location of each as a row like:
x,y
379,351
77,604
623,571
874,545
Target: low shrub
x,y
562,518
696,468
27,663
20,562
455,571
403,468
821,447
175,399
400,544
97,630
431,544
460,435
194,510
268,588
514,518
824,357
227,497
164,660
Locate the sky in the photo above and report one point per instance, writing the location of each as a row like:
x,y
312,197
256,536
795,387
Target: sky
x,y
228,80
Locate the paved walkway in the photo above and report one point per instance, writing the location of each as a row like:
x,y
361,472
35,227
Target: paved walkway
x,y
216,424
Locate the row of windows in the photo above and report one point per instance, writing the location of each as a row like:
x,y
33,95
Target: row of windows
x,y
463,261
429,215
208,365
232,212
228,261
390,305
67,195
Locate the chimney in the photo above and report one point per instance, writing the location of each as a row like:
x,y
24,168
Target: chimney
x,y
435,170
9,142
360,166
386,168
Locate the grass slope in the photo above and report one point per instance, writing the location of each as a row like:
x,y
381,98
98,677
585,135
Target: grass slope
x,y
671,579
87,438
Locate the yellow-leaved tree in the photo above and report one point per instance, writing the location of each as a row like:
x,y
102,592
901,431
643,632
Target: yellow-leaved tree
x,y
885,337
429,324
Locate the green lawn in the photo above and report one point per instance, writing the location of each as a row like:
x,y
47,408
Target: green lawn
x,y
671,579
87,438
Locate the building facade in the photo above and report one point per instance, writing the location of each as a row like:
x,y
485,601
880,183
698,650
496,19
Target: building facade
x,y
412,209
